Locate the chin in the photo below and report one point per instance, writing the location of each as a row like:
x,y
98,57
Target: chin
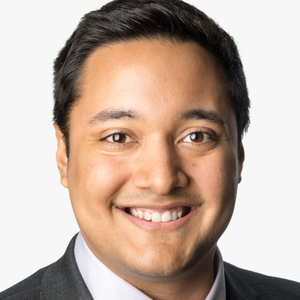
x,y
167,264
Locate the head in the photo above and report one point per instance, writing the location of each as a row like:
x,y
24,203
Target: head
x,y
151,104
127,20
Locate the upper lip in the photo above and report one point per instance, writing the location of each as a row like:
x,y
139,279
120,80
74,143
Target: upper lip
x,y
158,207
155,202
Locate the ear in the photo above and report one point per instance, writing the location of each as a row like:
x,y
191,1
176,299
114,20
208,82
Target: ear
x,y
241,161
61,156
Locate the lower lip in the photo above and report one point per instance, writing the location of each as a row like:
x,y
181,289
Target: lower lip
x,y
149,225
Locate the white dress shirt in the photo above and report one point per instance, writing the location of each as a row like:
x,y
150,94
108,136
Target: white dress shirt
x,y
104,284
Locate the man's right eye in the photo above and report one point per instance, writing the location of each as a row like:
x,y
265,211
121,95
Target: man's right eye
x,y
118,137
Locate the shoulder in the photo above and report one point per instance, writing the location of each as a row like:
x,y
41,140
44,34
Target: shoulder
x,y
266,287
60,280
28,288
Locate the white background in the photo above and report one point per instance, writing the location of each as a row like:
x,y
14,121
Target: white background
x,y
36,220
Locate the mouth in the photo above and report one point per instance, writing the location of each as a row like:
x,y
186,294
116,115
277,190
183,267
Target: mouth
x,y
159,216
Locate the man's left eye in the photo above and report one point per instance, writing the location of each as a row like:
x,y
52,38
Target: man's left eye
x,y
196,137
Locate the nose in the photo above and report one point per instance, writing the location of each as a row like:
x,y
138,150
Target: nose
x,y
158,168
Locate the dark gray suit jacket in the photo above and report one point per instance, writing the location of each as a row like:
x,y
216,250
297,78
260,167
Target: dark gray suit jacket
x,y
62,281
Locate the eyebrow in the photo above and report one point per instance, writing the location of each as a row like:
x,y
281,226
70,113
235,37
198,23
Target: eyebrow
x,y
193,114
200,114
113,114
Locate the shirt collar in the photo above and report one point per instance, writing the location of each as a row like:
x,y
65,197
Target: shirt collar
x,y
218,290
106,285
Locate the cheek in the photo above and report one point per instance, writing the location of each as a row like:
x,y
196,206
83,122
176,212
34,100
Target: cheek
x,y
96,179
216,178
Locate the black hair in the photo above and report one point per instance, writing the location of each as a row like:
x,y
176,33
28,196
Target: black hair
x,y
124,20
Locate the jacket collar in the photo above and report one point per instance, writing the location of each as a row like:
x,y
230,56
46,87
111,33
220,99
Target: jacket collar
x,y
62,280
236,287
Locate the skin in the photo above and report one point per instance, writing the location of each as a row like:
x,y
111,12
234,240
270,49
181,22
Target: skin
x,y
158,164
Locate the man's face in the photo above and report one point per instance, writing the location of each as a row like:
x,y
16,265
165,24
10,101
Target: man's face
x,y
152,137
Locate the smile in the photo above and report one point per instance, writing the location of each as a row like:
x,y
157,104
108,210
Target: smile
x,y
158,216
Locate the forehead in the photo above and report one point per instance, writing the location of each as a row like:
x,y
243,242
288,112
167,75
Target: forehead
x,y
152,74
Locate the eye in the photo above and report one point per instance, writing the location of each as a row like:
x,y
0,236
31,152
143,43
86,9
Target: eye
x,y
197,137
119,138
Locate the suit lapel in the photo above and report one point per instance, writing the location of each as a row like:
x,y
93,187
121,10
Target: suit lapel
x,y
236,287
63,280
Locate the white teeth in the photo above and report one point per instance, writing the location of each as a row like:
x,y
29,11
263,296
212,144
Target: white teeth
x,y
179,214
140,213
166,216
133,212
147,216
156,217
174,215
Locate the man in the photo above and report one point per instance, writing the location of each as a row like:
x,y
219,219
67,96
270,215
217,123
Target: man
x,y
150,108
